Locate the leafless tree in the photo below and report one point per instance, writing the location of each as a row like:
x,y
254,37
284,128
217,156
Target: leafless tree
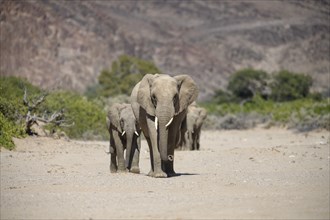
x,y
57,118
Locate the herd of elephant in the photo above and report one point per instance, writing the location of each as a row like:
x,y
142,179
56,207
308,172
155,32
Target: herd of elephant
x,y
162,108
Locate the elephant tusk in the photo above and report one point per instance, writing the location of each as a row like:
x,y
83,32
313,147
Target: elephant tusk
x,y
156,123
168,124
137,134
170,157
122,134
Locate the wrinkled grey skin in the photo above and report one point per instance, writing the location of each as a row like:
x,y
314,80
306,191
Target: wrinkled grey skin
x,y
124,134
160,104
193,121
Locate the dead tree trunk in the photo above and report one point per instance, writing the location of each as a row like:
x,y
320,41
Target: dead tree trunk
x,y
57,118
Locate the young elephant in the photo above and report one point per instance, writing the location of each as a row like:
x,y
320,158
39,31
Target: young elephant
x,y
160,104
124,134
193,122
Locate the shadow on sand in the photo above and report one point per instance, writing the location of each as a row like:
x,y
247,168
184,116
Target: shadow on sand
x,y
183,174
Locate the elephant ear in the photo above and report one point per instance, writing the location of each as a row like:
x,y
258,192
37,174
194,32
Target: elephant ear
x,y
202,115
144,96
114,115
188,91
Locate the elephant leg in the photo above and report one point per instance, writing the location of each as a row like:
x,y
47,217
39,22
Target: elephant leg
x,y
182,142
197,139
151,157
156,169
186,142
168,165
189,144
173,140
113,163
120,152
113,160
113,155
136,155
183,138
193,141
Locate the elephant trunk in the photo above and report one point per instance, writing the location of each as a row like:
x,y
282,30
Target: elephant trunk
x,y
165,118
128,159
162,140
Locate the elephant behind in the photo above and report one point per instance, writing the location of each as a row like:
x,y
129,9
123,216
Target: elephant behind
x,y
192,130
160,104
124,135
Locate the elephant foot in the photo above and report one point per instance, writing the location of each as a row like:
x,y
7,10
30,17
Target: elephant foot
x,y
135,170
157,174
171,173
122,170
113,169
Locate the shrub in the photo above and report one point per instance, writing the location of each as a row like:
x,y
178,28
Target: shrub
x,y
87,116
222,96
11,99
288,86
303,114
125,73
12,108
246,83
9,129
291,103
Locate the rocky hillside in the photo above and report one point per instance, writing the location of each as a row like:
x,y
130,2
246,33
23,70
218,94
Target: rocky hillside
x,y
65,44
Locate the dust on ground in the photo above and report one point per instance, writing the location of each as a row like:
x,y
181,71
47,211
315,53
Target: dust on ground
x,y
251,174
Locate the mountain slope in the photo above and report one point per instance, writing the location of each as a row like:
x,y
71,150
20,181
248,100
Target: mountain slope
x,y
65,44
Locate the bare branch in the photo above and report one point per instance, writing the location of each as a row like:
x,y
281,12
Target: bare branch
x,y
67,125
25,101
36,103
57,118
40,100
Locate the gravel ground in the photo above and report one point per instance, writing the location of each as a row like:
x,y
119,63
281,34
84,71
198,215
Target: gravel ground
x,y
251,174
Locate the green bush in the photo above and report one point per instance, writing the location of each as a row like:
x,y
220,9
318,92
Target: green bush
x,y
11,99
88,117
8,130
125,73
290,104
222,96
303,114
12,108
287,86
246,83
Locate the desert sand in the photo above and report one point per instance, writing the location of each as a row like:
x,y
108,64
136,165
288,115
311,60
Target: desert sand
x,y
251,174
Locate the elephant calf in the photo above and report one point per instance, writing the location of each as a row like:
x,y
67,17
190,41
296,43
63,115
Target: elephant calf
x,y
124,134
191,133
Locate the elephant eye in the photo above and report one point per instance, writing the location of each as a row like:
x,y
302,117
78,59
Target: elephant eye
x,y
175,99
122,122
154,100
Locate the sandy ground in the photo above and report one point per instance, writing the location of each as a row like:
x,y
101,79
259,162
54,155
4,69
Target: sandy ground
x,y
254,174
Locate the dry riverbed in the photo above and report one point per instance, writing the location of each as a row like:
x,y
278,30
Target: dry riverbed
x,y
253,174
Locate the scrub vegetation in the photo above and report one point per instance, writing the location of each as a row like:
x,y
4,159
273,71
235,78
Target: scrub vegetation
x,y
252,97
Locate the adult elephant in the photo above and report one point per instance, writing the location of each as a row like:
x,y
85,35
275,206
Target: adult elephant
x,y
160,104
124,134
194,121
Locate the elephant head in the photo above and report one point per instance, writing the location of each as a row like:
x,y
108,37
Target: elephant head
x,y
163,97
195,117
114,117
122,118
